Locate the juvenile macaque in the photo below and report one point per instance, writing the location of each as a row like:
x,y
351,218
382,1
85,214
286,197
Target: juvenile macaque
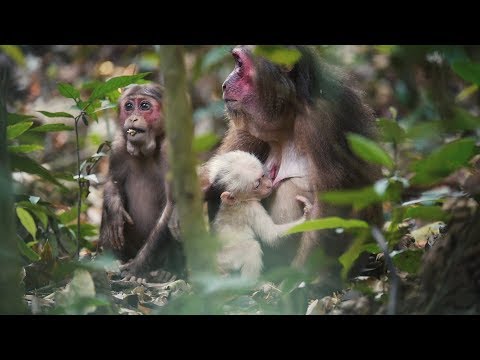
x,y
240,181
295,120
137,202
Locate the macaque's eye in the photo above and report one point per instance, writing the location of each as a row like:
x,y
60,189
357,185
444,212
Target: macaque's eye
x,y
145,105
238,61
257,184
128,106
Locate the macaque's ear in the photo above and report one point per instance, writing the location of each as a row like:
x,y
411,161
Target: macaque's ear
x,y
227,198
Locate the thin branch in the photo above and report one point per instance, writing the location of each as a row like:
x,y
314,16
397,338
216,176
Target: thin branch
x,y
392,300
79,181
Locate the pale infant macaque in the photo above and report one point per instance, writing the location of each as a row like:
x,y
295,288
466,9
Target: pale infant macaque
x,y
241,182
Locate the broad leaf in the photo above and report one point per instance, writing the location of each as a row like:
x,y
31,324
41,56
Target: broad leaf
x,y
16,130
204,142
13,118
391,131
23,163
409,261
27,221
328,223
26,251
359,198
56,114
14,52
40,212
468,70
52,127
24,148
278,54
114,84
443,161
68,91
348,257
428,213
369,151
73,298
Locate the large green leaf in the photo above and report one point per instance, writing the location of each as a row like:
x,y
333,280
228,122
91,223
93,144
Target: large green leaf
x,y
24,148
114,84
40,211
204,142
368,150
27,221
16,130
23,163
13,118
468,70
14,52
463,120
56,114
409,261
428,213
278,54
26,251
391,131
328,223
359,198
443,161
348,257
68,91
52,127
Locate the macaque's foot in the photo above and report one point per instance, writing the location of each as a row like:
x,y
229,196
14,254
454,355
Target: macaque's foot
x,y
130,272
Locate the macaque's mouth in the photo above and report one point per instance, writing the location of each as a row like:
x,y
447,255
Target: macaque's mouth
x,y
132,131
229,100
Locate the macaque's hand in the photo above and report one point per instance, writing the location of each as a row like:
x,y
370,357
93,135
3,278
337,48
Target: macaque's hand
x,y
307,205
116,225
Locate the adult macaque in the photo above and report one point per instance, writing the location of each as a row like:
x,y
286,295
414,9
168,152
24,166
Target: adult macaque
x,y
239,180
137,202
295,120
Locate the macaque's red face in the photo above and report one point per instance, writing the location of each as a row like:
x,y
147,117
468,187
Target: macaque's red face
x,y
263,186
141,117
239,87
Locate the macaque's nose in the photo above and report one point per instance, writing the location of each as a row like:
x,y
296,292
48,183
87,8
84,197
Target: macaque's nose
x,y
133,119
269,184
224,85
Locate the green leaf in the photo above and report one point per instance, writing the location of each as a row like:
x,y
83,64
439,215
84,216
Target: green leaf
x,y
16,130
68,216
278,54
24,148
443,161
390,131
15,53
26,251
13,118
52,127
428,213
214,56
114,84
348,257
328,223
369,151
463,120
68,91
467,70
73,297
27,221
358,198
205,142
23,163
56,114
85,229
40,212
409,261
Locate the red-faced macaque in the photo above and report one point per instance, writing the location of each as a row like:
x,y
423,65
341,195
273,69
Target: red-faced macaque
x,y
240,181
295,120
137,202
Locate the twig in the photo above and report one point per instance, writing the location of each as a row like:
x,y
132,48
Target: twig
x,y
79,201
392,300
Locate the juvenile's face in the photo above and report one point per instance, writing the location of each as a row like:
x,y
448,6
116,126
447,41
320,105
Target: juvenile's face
x,y
263,186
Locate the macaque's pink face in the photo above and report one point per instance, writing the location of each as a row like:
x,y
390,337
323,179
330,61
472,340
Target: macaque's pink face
x,y
141,117
263,186
239,87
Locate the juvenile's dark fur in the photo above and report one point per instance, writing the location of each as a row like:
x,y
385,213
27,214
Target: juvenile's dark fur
x,y
136,196
314,107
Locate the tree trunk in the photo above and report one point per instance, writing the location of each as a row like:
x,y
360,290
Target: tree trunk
x,y
451,269
10,299
199,246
